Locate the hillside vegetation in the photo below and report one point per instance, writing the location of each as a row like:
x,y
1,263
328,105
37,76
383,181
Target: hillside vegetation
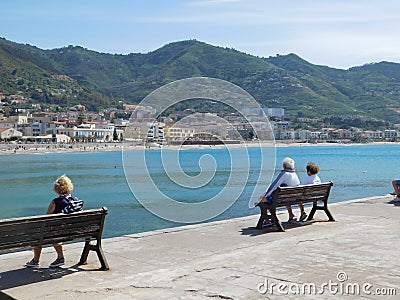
x,y
72,75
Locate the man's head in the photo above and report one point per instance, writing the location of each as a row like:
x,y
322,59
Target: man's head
x,y
288,163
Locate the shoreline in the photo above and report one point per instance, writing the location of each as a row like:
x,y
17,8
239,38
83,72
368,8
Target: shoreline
x,y
101,147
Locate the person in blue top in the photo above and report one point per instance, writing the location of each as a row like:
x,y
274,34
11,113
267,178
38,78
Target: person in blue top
x,y
63,187
286,177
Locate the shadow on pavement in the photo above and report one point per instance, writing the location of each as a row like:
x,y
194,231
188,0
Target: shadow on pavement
x,y
26,276
394,202
253,231
4,296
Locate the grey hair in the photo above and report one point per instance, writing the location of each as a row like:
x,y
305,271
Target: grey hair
x,y
288,163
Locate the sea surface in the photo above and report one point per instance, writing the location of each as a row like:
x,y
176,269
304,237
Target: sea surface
x,y
26,180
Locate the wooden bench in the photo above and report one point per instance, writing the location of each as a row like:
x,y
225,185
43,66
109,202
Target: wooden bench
x,y
48,229
282,196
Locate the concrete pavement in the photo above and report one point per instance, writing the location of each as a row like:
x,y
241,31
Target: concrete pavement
x,y
356,257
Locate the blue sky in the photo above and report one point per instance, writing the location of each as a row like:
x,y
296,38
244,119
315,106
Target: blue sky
x,y
336,33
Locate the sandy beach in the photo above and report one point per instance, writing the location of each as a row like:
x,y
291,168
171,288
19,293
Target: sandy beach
x,y
47,148
11,148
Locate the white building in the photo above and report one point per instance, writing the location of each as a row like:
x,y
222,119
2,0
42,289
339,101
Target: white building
x,y
19,119
303,134
155,132
7,133
286,135
390,134
179,133
308,135
7,124
50,138
263,130
371,134
93,132
145,131
274,112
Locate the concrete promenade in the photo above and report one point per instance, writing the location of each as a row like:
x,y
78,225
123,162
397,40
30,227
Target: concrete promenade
x,y
230,260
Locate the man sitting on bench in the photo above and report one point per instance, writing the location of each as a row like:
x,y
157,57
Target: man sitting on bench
x,y
287,177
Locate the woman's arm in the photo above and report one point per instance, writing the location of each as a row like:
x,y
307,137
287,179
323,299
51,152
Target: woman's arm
x,y
51,208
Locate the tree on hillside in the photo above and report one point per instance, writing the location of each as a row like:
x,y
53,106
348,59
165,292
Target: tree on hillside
x,y
115,135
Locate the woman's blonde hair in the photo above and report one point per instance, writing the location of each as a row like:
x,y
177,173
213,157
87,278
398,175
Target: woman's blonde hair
x,y
63,185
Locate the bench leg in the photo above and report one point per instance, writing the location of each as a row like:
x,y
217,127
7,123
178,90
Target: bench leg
x,y
102,258
312,212
324,208
85,253
263,216
259,223
274,217
99,251
328,213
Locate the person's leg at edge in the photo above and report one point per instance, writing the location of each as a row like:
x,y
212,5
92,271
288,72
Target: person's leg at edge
x,y
34,262
36,253
289,209
59,250
396,186
301,205
60,256
303,214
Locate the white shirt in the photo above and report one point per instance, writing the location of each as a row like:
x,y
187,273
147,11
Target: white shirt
x,y
285,178
312,179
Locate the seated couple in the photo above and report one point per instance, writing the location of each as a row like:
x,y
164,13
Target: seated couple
x,y
288,177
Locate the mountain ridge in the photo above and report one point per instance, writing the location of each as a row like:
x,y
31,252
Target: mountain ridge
x,y
371,91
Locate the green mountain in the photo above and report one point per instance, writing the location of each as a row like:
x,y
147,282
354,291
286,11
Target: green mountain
x,y
73,74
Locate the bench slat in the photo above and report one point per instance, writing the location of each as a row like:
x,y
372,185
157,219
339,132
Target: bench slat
x,y
87,230
12,244
35,226
52,216
44,226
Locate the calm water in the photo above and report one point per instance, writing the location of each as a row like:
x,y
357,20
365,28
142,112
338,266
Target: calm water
x,y
26,180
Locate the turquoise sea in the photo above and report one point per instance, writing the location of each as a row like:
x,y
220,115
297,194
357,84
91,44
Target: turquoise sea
x,y
26,180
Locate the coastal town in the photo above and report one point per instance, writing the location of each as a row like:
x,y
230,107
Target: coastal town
x,y
141,124
199,149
